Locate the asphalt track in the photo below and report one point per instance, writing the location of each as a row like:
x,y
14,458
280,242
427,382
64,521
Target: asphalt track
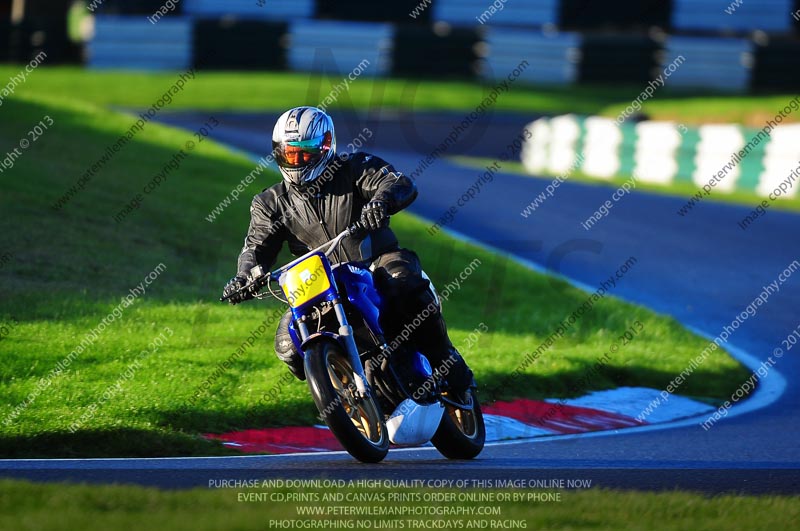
x,y
702,269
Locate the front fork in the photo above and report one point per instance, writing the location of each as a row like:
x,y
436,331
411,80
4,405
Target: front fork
x,y
346,334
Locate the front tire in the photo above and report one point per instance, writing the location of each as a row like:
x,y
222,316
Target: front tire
x,y
356,422
461,433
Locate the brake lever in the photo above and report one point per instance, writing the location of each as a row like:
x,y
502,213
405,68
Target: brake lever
x,y
260,282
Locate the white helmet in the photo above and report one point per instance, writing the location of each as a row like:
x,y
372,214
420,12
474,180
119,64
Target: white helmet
x,y
303,141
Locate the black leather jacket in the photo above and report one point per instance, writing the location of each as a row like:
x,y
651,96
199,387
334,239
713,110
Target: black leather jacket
x,y
307,218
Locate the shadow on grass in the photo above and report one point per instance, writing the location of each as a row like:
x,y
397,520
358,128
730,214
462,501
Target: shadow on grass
x,y
587,377
180,429
178,434
113,442
294,413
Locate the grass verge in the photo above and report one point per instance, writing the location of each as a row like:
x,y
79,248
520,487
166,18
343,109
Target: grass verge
x,y
62,507
281,90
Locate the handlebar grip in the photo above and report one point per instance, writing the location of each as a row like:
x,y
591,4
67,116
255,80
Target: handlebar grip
x,y
252,286
228,296
356,228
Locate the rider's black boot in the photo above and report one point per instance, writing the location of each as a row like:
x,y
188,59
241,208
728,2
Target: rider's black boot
x,y
434,342
285,350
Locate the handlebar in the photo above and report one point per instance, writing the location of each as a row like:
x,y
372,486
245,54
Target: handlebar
x,y
258,279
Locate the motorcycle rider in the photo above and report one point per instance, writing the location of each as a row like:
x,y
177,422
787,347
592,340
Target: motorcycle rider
x,y
321,194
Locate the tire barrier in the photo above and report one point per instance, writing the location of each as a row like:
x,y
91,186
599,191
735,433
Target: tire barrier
x,y
735,157
467,39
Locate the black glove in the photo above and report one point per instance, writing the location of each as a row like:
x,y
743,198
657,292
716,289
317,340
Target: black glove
x,y
234,285
375,215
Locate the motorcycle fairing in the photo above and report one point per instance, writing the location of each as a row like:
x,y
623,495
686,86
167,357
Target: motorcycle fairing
x,y
361,293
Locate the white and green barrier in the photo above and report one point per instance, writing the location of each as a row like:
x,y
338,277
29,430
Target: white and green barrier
x,y
739,158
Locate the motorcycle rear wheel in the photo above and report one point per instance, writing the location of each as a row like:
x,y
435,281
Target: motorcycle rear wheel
x,y
356,422
461,433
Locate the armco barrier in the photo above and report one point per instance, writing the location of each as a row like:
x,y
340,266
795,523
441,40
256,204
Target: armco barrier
x,y
664,152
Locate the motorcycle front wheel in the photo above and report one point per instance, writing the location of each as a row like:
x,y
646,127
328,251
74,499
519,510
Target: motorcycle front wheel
x,y
357,422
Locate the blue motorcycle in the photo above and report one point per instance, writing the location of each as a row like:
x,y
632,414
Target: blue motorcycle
x,y
352,373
